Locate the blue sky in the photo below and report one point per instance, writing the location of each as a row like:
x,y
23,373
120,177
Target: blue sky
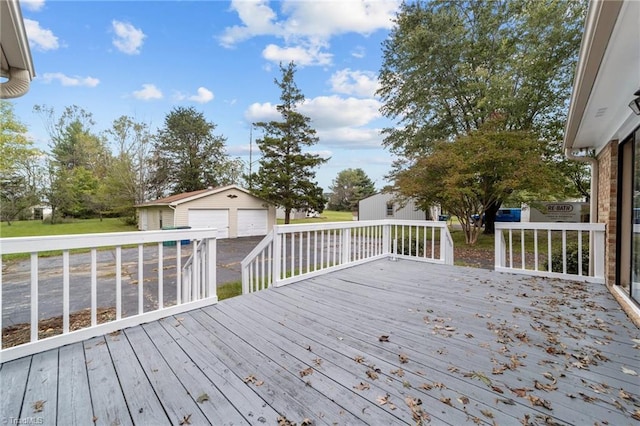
x,y
144,58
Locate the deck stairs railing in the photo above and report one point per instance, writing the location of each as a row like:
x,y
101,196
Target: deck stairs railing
x,y
573,251
115,280
291,253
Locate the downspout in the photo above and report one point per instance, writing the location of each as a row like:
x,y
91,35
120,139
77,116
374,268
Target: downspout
x,y
17,84
172,207
593,200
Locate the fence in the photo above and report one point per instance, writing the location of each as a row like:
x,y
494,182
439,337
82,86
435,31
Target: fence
x,y
293,252
136,277
562,250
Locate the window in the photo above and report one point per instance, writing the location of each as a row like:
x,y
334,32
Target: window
x,y
160,218
389,209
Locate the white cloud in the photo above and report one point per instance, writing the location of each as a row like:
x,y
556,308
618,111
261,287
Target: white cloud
x,y
128,38
148,92
204,95
358,83
70,81
358,52
33,5
262,112
300,55
350,137
40,38
307,26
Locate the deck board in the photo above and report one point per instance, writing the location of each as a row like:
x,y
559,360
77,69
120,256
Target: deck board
x,y
473,346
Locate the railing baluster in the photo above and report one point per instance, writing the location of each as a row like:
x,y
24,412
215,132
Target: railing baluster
x,y
522,250
564,251
510,248
549,253
34,297
161,276
179,272
141,278
118,282
535,249
94,287
308,251
579,253
65,291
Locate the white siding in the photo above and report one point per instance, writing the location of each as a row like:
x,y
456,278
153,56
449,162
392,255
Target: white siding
x,y
376,207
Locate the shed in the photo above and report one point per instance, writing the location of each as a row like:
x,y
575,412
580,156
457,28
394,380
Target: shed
x,y
233,210
384,205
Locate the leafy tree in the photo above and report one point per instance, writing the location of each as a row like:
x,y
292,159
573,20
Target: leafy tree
x,y
349,187
470,173
451,66
18,190
79,162
187,155
128,178
286,175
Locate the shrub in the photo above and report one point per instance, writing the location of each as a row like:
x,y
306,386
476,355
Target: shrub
x,y
408,248
572,259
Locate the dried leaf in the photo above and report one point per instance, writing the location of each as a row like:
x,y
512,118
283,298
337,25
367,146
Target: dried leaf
x,y
636,414
520,392
38,406
487,413
480,376
399,372
546,388
629,371
94,419
317,362
625,395
403,358
283,421
359,359
383,338
445,400
186,420
506,401
259,383
426,386
439,385
496,389
306,422
362,386
406,384
463,400
539,402
202,398
306,372
382,400
453,369
372,374
250,379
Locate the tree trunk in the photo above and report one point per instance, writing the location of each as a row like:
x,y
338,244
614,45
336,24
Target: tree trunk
x,y
287,216
490,218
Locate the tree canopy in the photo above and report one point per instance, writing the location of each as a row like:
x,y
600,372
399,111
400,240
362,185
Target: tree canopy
x,y
287,173
349,187
449,67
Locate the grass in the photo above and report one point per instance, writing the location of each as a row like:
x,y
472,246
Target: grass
x,y
28,228
229,290
325,216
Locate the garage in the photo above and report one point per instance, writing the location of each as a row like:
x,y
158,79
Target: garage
x,y
210,218
252,222
233,210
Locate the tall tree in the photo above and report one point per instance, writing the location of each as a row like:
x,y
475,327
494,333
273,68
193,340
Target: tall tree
x,y
18,189
286,175
470,173
187,155
79,161
450,66
349,187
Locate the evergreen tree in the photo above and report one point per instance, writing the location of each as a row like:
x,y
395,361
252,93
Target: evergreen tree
x,y
348,188
286,175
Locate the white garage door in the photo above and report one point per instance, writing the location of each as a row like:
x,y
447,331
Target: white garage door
x,y
210,218
252,222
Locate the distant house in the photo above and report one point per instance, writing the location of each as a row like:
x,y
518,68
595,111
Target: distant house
x,y
384,206
233,210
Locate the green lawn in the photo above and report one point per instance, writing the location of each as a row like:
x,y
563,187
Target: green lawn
x,y
325,216
27,228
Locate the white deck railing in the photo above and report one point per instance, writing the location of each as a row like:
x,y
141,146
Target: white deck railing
x,y
138,276
573,251
291,253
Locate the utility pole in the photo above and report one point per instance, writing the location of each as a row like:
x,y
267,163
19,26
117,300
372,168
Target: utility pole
x,y
250,153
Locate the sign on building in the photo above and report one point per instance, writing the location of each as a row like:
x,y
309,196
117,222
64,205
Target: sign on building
x,y
559,212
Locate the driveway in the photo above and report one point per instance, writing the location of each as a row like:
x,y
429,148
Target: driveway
x,y
16,289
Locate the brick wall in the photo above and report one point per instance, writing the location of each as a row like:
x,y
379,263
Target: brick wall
x,y
607,204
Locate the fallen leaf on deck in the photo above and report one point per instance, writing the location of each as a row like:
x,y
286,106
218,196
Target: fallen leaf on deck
x,y
399,372
283,421
318,362
372,374
359,359
629,371
307,422
520,392
250,379
403,358
38,406
506,401
539,402
426,386
417,413
260,383
625,395
480,376
487,413
636,414
384,400
543,387
202,398
362,386
306,372
463,400
383,338
186,420
446,401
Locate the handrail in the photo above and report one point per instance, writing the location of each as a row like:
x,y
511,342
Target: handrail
x,y
294,252
96,278
559,250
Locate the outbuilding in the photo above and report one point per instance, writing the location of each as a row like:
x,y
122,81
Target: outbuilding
x,y
384,205
233,210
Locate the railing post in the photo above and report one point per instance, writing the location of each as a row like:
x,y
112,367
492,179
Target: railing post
x,y
211,267
597,254
443,244
346,246
386,238
277,255
500,250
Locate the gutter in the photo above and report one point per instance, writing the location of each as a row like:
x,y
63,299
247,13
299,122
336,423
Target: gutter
x,y
17,85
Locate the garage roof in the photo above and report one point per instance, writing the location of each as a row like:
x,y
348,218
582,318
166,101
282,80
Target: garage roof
x,y
185,197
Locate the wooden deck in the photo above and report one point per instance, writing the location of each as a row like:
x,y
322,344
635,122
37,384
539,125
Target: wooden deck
x,y
381,343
